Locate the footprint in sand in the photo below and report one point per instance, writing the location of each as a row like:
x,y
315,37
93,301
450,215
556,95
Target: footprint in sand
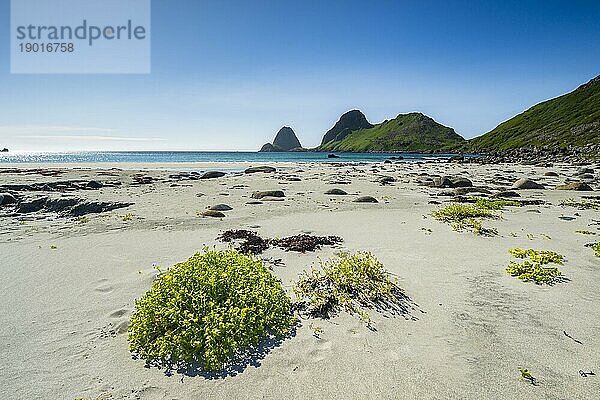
x,y
103,286
118,313
322,352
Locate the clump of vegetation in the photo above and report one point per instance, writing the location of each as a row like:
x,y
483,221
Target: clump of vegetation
x,y
126,217
584,232
525,374
538,256
494,204
533,269
352,283
595,247
464,216
592,204
83,220
209,309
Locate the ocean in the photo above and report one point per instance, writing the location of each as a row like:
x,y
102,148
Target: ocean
x,y
161,157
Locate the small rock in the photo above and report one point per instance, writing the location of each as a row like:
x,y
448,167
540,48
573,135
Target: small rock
x,y
213,213
580,186
441,182
332,156
525,183
336,192
386,180
507,193
457,157
366,199
94,185
464,190
583,171
268,193
387,162
220,207
212,174
566,218
263,168
550,173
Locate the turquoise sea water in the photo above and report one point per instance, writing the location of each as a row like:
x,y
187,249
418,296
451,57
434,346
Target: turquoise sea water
x,y
204,156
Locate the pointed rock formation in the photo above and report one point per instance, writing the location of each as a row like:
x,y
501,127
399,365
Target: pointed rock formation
x,y
348,122
285,140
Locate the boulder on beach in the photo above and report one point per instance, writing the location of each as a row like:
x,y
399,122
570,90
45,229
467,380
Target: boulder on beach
x,y
579,186
268,193
366,199
94,185
332,156
442,182
212,174
7,198
220,207
212,213
262,168
461,182
386,180
526,183
471,189
507,193
336,192
551,173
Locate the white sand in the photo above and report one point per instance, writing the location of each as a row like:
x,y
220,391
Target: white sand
x,y
65,311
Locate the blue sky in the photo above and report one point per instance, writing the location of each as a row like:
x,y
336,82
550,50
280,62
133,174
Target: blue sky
x,y
226,75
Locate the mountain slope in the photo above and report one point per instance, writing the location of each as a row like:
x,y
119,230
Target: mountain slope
x,y
569,120
348,122
406,132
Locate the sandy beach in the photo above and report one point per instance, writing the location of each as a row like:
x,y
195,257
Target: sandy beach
x,y
69,282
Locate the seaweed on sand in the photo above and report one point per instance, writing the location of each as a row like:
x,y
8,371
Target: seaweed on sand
x,y
251,242
303,242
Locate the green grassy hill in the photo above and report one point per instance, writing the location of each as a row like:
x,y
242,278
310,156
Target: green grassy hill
x,y
406,132
569,120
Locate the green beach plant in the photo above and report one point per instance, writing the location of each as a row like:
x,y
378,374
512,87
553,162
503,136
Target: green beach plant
x,y
596,248
469,216
592,204
349,282
533,269
525,374
209,309
494,204
585,232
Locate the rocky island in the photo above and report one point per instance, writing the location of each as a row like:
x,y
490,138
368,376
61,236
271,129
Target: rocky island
x,y
285,140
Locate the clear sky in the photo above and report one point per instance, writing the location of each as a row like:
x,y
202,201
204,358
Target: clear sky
x,y
226,75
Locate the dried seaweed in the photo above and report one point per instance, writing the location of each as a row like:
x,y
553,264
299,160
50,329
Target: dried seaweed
x,y
251,242
303,242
